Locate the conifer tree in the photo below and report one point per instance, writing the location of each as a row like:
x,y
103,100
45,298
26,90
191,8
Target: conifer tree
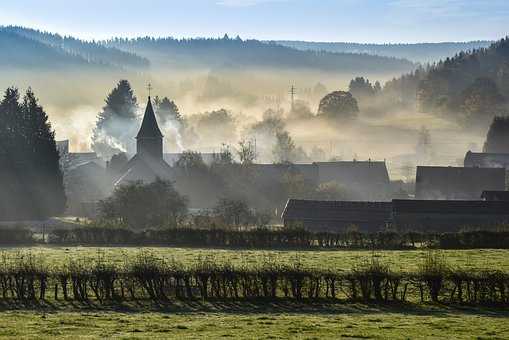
x,y
46,176
116,123
10,158
167,110
497,139
30,176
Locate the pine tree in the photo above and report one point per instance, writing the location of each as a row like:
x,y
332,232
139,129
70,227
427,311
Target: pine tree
x,y
167,110
116,123
13,191
30,176
497,139
45,174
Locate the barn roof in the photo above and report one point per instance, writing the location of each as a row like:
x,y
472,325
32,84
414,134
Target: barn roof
x,y
448,207
486,159
347,211
435,182
357,171
495,195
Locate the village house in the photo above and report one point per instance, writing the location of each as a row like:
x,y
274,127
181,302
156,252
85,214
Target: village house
x,y
486,160
360,180
488,195
456,183
447,215
403,215
337,216
364,180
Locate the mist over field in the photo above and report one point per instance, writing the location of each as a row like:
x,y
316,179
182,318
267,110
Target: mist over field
x,y
204,76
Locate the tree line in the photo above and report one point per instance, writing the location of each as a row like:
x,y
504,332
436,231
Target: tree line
x,y
255,238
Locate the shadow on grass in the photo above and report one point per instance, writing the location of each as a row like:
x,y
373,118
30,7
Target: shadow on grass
x,y
250,307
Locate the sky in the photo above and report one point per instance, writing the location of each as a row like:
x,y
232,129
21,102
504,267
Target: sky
x,y
375,21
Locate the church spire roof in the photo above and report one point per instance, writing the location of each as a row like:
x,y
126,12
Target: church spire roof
x,y
149,127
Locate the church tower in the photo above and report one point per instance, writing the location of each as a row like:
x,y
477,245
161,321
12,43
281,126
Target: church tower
x,y
149,141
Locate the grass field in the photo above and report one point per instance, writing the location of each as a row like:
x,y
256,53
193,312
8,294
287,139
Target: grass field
x,y
407,260
216,321
258,320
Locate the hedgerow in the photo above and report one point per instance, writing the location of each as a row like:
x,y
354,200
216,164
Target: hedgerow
x,y
25,277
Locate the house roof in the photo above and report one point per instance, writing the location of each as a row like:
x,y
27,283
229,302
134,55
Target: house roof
x,y
144,169
457,182
356,171
495,195
448,207
486,159
439,170
149,127
86,166
347,211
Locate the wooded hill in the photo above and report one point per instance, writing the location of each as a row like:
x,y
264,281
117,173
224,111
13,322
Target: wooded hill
x,y
418,52
24,47
238,53
474,84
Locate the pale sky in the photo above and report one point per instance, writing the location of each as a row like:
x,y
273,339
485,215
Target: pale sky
x,y
319,20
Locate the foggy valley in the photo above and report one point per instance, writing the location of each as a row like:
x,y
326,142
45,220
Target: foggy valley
x,y
254,169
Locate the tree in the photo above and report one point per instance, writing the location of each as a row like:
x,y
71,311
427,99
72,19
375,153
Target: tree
x,y
284,149
224,157
13,163
338,105
300,110
116,123
190,160
271,123
167,110
217,124
30,173
47,182
246,152
361,88
481,98
233,212
140,205
497,139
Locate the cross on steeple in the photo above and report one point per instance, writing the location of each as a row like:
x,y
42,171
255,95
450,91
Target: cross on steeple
x,y
149,88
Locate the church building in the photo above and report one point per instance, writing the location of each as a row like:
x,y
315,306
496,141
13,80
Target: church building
x,y
148,163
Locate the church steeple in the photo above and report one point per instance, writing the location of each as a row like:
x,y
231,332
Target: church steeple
x,y
149,141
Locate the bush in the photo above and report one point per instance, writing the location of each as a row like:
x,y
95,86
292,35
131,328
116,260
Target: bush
x,y
140,205
16,236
